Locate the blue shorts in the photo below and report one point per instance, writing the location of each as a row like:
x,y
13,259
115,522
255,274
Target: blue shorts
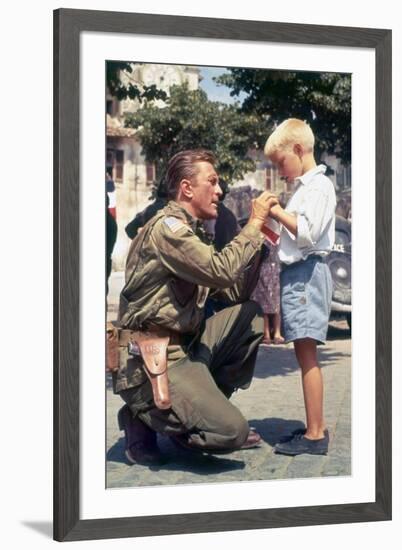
x,y
306,295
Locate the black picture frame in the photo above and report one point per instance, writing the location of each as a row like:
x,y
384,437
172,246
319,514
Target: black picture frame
x,y
68,24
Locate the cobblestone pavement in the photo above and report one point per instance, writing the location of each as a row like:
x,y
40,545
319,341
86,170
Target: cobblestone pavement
x,y
273,405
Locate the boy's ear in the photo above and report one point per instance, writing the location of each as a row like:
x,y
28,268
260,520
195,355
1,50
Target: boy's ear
x,y
298,149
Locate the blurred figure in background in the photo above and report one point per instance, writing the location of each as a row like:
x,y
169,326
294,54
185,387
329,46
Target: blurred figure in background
x,y
220,232
111,225
111,194
149,212
267,295
226,226
267,291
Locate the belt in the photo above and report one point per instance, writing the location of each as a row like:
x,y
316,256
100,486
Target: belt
x,y
175,338
316,257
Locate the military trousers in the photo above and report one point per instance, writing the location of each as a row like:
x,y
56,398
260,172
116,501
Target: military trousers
x,y
219,362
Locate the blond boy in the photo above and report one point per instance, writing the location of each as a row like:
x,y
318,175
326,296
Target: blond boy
x,y
307,236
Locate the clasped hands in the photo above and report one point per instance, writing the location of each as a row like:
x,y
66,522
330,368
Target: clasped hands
x,y
261,207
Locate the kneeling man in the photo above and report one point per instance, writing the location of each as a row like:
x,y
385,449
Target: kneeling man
x,y
170,272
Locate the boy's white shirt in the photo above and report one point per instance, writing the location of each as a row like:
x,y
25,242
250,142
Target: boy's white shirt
x,y
313,202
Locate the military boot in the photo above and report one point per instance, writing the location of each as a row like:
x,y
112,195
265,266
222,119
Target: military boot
x,y
141,445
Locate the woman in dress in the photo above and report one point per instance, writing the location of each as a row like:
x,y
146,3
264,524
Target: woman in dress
x,y
267,294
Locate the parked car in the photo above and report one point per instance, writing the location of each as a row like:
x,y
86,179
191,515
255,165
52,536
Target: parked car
x,y
340,264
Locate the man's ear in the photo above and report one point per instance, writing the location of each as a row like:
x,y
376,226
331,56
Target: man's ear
x,y
186,189
298,150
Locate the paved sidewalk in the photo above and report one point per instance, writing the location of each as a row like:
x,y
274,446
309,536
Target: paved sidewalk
x,y
273,405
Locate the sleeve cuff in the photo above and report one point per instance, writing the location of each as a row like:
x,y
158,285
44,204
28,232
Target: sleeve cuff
x,y
253,234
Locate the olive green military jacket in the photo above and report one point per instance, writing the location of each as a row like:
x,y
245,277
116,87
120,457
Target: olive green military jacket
x,y
170,271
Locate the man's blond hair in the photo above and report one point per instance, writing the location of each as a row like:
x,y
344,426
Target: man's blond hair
x,y
287,134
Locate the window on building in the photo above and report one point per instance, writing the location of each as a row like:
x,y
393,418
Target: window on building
x,y
119,165
115,163
150,173
110,162
109,107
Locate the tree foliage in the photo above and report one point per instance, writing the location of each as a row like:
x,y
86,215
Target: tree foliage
x,y
120,91
321,99
188,121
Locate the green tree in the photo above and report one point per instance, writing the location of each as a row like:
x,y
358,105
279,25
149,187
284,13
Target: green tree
x,y
321,99
120,91
189,120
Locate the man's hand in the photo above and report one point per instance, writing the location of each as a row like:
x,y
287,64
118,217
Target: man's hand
x,y
260,208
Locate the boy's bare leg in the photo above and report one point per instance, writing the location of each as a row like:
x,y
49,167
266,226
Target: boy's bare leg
x,y
313,388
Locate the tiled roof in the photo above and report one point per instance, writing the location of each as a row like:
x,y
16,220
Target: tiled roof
x,y
120,132
114,128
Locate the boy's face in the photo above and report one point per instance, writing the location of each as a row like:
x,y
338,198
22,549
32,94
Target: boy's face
x,y
288,162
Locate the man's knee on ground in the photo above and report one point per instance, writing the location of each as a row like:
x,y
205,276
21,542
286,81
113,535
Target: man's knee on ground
x,y
236,433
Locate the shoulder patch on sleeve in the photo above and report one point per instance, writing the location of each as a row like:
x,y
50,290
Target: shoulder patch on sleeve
x,y
174,224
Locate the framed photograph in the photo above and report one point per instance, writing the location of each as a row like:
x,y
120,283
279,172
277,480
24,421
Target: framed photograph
x,y
100,127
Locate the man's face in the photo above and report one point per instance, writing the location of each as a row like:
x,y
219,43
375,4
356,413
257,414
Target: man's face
x,y
206,192
289,164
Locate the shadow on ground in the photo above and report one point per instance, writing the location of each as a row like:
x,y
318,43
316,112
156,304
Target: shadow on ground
x,y
327,357
275,361
281,360
272,430
338,331
181,460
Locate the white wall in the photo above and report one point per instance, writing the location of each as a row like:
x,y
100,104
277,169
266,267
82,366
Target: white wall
x,y
26,359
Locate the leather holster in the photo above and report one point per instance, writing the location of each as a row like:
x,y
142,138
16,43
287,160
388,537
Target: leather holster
x,y
153,347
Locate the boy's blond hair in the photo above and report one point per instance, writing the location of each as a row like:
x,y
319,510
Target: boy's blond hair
x,y
287,134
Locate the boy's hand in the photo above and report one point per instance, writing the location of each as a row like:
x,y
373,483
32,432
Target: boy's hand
x,y
280,215
275,211
260,208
